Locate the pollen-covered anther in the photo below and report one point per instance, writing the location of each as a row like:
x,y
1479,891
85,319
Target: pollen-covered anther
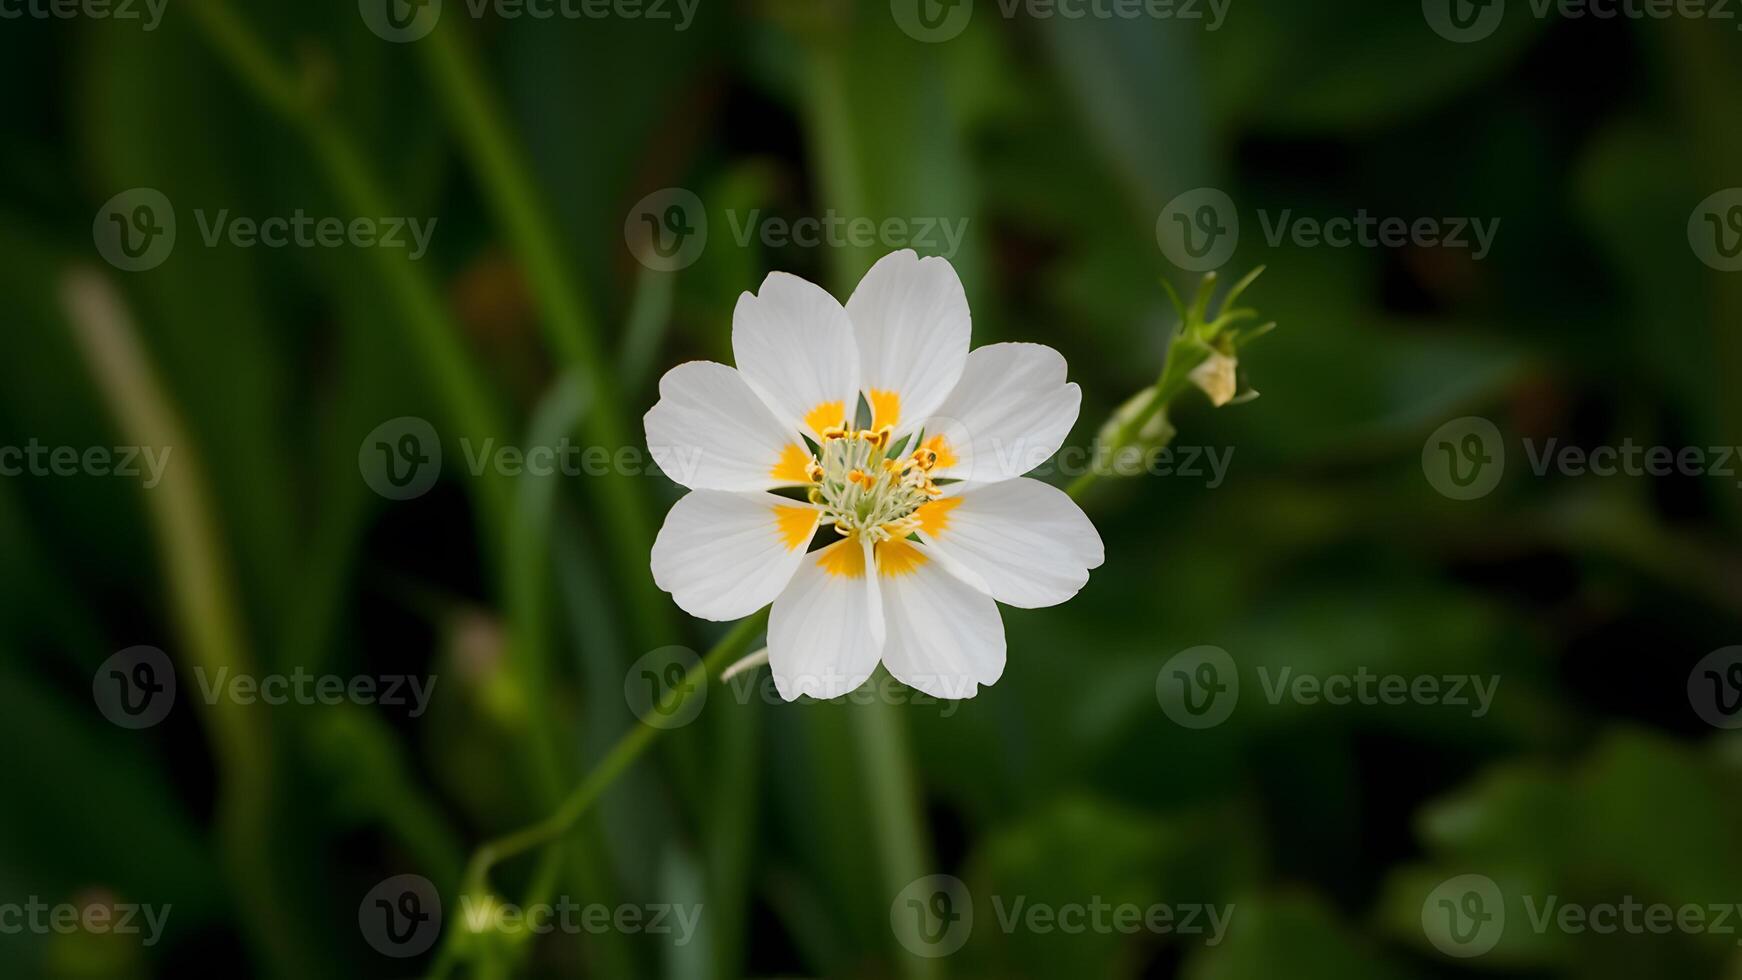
x,y
837,432
814,472
925,458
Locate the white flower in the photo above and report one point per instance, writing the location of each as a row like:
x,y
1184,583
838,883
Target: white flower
x,y
931,516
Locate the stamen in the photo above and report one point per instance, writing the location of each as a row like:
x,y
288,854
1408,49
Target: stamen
x,y
864,493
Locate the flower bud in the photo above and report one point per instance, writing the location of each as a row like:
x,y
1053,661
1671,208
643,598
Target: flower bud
x,y
1216,377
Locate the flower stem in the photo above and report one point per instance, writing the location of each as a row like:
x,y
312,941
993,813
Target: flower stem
x,y
625,752
1182,357
616,762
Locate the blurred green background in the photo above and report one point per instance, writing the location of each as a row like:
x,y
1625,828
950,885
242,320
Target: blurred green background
x,y
1060,142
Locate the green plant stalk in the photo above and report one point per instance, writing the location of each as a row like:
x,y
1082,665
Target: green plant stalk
x,y
616,761
506,180
434,334
205,607
1183,357
526,590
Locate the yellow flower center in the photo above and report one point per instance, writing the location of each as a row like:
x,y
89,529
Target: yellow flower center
x,y
863,489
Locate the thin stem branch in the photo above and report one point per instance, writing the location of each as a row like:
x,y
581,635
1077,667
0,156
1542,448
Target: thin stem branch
x,y
207,611
1183,356
506,179
434,334
621,756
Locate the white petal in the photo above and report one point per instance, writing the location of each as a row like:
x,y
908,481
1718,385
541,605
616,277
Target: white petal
x,y
1028,542
945,637
910,317
1010,412
795,346
725,555
826,630
709,431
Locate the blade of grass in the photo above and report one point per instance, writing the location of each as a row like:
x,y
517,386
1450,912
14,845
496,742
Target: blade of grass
x,y
480,123
206,611
433,333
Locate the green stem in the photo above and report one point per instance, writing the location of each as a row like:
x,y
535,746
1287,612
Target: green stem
x,y
506,179
434,334
205,607
617,761
1183,356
